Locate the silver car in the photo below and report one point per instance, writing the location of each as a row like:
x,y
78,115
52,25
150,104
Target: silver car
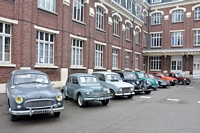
x,y
30,92
114,82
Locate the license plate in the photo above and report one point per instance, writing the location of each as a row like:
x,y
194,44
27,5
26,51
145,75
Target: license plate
x,y
101,98
127,93
41,112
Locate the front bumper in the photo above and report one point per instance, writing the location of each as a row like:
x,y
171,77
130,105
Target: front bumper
x,y
125,94
97,98
38,111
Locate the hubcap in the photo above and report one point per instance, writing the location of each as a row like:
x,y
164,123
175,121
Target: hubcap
x,y
80,100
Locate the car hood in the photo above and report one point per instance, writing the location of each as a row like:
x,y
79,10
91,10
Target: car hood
x,y
95,88
152,81
32,91
120,84
168,78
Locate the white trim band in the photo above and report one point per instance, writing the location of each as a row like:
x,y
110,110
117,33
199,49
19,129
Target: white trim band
x,y
156,32
46,29
176,30
8,20
78,37
127,50
116,47
137,53
100,43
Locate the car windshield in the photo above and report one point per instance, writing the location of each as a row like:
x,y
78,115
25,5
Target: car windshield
x,y
178,75
30,78
141,75
113,77
88,80
151,76
129,76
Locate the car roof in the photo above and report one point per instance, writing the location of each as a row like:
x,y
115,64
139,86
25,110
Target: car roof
x,y
105,72
123,72
80,74
15,72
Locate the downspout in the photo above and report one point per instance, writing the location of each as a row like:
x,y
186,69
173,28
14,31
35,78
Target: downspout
x,y
133,44
148,39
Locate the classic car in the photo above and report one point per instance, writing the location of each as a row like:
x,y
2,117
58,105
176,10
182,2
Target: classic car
x,y
173,81
143,77
161,82
132,78
84,88
30,92
114,82
181,80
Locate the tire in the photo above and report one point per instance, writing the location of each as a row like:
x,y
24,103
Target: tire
x,y
80,101
130,96
64,96
56,114
164,86
187,83
180,82
147,92
105,102
13,117
112,94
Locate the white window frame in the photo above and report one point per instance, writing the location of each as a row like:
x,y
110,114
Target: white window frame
x,y
156,1
128,32
197,38
137,37
99,55
115,58
127,58
43,5
177,16
78,13
137,57
155,63
138,10
156,18
145,39
45,55
176,65
129,5
115,25
77,51
99,18
6,54
156,40
197,13
178,38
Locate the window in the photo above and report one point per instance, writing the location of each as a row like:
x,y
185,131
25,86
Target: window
x,y
137,61
155,63
128,31
197,13
77,52
100,18
156,40
138,10
78,10
5,42
176,65
177,39
197,37
144,64
49,5
145,39
145,18
99,56
118,1
127,59
156,1
44,48
156,18
115,26
137,37
129,5
177,16
115,58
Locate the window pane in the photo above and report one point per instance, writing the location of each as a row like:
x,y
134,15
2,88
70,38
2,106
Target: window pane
x,y
1,27
7,28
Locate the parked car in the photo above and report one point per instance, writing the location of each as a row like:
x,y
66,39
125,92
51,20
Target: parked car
x,y
161,82
30,92
114,82
84,88
132,78
173,81
181,80
143,77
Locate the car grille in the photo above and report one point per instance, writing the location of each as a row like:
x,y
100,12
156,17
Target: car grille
x,y
126,89
39,103
95,94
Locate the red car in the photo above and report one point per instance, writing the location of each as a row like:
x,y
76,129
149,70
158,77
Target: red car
x,y
181,80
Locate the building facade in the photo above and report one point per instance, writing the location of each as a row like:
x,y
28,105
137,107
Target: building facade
x,y
61,37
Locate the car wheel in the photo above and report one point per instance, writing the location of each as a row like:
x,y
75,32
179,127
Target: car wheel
x,y
56,114
180,82
164,86
147,92
64,96
112,94
130,96
13,117
80,101
187,83
105,102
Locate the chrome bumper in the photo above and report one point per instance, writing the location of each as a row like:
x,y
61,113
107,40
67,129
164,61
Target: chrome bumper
x,y
31,112
125,94
97,99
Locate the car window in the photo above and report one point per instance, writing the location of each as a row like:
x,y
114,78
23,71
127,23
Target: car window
x,y
141,75
30,78
113,77
69,80
74,80
88,80
129,76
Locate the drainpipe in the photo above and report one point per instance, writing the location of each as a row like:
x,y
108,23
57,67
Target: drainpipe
x,y
133,45
149,38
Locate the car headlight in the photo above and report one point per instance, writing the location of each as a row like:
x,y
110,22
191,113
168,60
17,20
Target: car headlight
x,y
184,78
87,92
137,82
148,82
132,89
19,100
108,91
156,82
59,97
120,89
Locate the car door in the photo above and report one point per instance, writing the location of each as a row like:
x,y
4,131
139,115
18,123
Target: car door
x,y
74,86
102,80
69,86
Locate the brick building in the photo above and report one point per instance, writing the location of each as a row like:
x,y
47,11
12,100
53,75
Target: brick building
x,y
60,37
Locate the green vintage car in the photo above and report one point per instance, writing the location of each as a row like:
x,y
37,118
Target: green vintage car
x,y
142,76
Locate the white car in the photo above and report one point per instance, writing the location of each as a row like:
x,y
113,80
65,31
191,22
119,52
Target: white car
x,y
114,82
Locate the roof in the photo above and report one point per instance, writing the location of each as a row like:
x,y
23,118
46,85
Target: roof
x,y
123,72
26,72
105,72
80,74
